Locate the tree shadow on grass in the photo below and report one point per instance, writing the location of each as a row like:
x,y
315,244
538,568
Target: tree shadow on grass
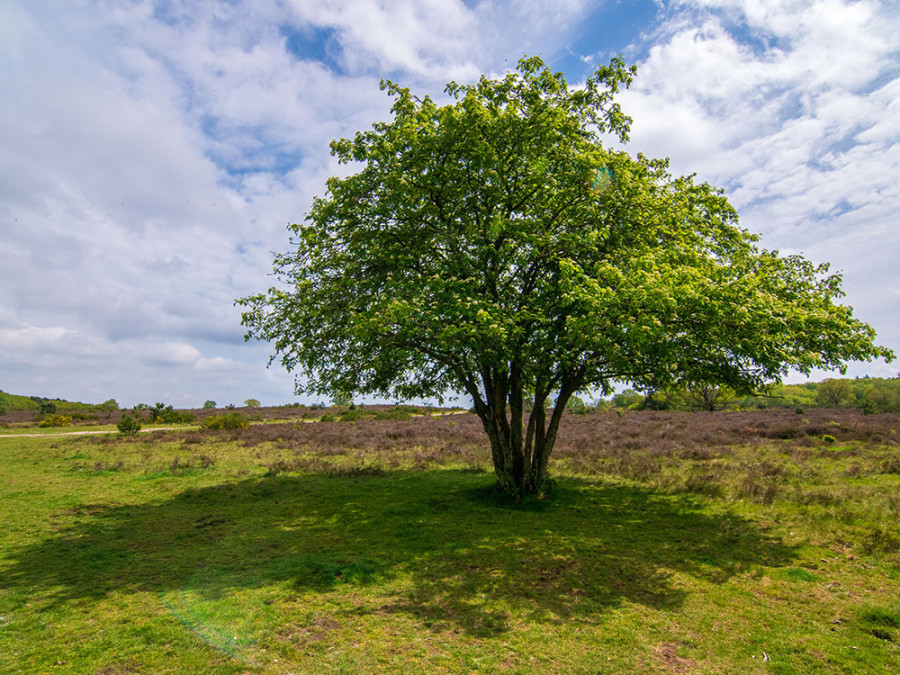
x,y
463,560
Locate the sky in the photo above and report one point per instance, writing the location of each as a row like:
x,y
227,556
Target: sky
x,y
153,152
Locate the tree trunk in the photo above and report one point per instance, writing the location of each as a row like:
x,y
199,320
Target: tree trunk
x,y
520,454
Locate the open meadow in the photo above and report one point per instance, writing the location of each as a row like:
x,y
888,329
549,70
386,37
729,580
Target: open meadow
x,y
672,542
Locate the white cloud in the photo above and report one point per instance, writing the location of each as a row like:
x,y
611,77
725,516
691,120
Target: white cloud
x,y
172,353
431,38
792,107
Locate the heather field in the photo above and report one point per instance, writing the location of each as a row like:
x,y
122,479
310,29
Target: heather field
x,y
671,542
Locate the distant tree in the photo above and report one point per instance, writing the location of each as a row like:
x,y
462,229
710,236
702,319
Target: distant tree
x,y
109,405
707,397
795,394
657,400
493,247
626,399
251,403
577,405
834,392
209,405
882,396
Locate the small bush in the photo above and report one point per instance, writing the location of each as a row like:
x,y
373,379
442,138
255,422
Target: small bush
x,y
227,422
168,415
55,421
828,438
46,408
129,425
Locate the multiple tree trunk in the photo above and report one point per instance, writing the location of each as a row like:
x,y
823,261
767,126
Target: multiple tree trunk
x,y
520,453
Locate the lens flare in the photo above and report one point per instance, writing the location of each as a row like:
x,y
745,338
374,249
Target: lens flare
x,y
600,180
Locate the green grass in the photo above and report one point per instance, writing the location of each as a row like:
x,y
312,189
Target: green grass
x,y
186,553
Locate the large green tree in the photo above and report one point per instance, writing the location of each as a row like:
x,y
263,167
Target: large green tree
x,y
493,246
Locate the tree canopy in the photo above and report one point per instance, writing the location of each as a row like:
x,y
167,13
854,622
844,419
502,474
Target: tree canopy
x,y
494,246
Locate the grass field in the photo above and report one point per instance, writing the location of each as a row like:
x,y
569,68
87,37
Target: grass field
x,y
764,542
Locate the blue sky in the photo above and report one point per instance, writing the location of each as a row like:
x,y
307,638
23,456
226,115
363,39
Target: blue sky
x,y
153,152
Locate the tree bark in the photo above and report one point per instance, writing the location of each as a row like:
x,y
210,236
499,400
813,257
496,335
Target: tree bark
x,y
520,454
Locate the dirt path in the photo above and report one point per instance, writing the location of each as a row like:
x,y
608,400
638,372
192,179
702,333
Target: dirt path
x,y
80,433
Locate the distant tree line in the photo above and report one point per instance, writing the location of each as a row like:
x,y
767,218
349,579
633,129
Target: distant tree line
x,y
870,394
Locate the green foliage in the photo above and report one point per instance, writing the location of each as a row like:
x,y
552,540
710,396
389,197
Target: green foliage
x,y
627,399
477,251
109,405
342,399
871,394
782,396
46,407
129,424
162,413
209,405
227,421
657,400
252,403
882,396
577,406
55,421
834,393
12,403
